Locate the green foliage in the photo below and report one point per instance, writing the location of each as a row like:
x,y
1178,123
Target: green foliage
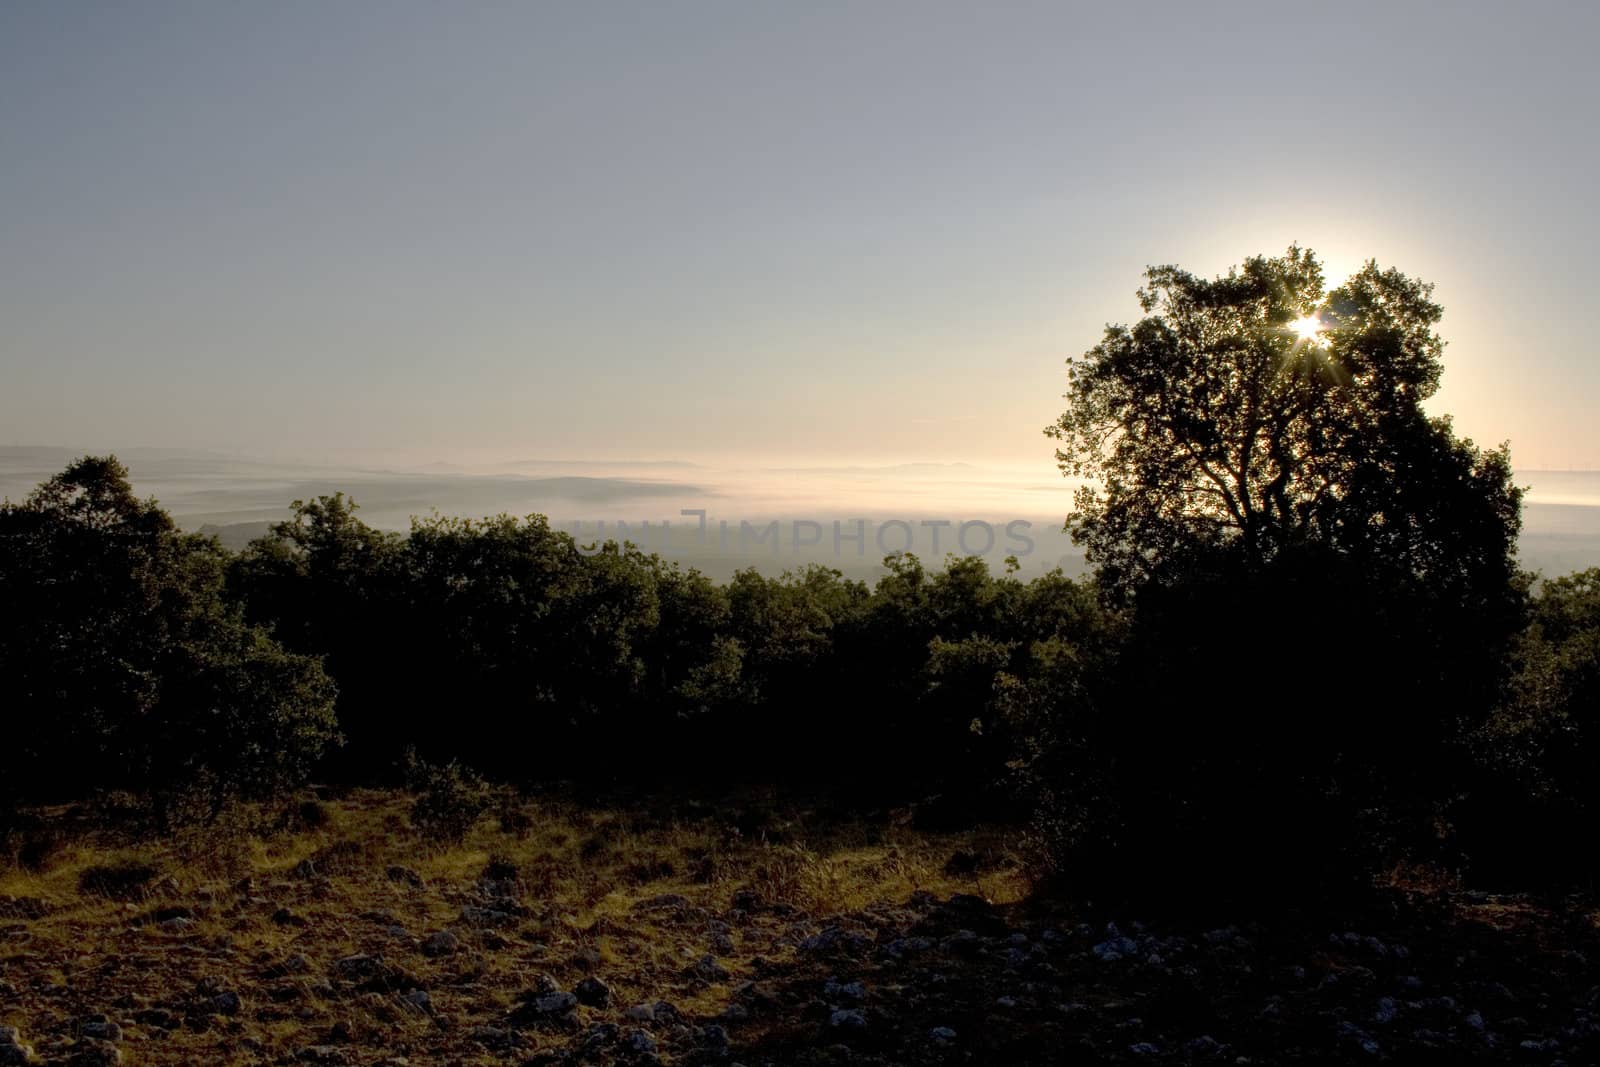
x,y
450,798
564,663
128,667
1270,706
1555,691
1538,796
539,646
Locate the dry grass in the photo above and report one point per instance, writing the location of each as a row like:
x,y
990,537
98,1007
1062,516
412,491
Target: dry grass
x,y
104,940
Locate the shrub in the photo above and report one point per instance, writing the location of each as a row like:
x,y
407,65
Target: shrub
x,y
127,881
310,814
450,798
29,841
1536,796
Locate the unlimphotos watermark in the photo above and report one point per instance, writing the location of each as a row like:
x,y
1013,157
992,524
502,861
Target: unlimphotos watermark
x,y
972,537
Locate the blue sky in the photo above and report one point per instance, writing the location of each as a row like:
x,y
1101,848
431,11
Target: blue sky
x,y
750,232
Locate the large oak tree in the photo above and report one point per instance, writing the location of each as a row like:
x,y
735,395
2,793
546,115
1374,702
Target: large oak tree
x,y
1322,574
1259,412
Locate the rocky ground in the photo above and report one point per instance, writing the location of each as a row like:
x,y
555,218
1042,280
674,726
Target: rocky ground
x,y
729,934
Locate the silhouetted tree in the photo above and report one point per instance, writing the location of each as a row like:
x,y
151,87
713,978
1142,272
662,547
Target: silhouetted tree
x,y
1324,575
330,585
493,641
1215,421
126,667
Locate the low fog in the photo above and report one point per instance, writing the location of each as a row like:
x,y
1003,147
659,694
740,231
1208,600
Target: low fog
x,y
920,506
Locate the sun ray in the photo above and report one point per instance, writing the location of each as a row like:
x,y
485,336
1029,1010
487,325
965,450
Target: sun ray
x,y
1307,329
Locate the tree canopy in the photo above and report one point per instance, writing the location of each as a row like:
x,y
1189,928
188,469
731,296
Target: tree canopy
x,y
1322,575
1259,412
125,665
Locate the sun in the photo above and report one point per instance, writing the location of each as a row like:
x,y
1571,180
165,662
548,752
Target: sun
x,y
1307,328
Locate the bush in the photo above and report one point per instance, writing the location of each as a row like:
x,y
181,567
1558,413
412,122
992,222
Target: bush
x,y
127,881
310,814
450,798
1536,798
29,841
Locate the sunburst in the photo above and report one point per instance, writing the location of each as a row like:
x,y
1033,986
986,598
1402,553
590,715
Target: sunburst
x,y
1307,329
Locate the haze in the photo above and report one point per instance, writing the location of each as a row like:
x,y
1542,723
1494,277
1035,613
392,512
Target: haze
x,y
744,234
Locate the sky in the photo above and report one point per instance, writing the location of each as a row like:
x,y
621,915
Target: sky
x,y
751,232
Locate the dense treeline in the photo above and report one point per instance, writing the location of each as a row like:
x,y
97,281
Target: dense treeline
x,y
1275,721
126,666
1307,655
500,644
